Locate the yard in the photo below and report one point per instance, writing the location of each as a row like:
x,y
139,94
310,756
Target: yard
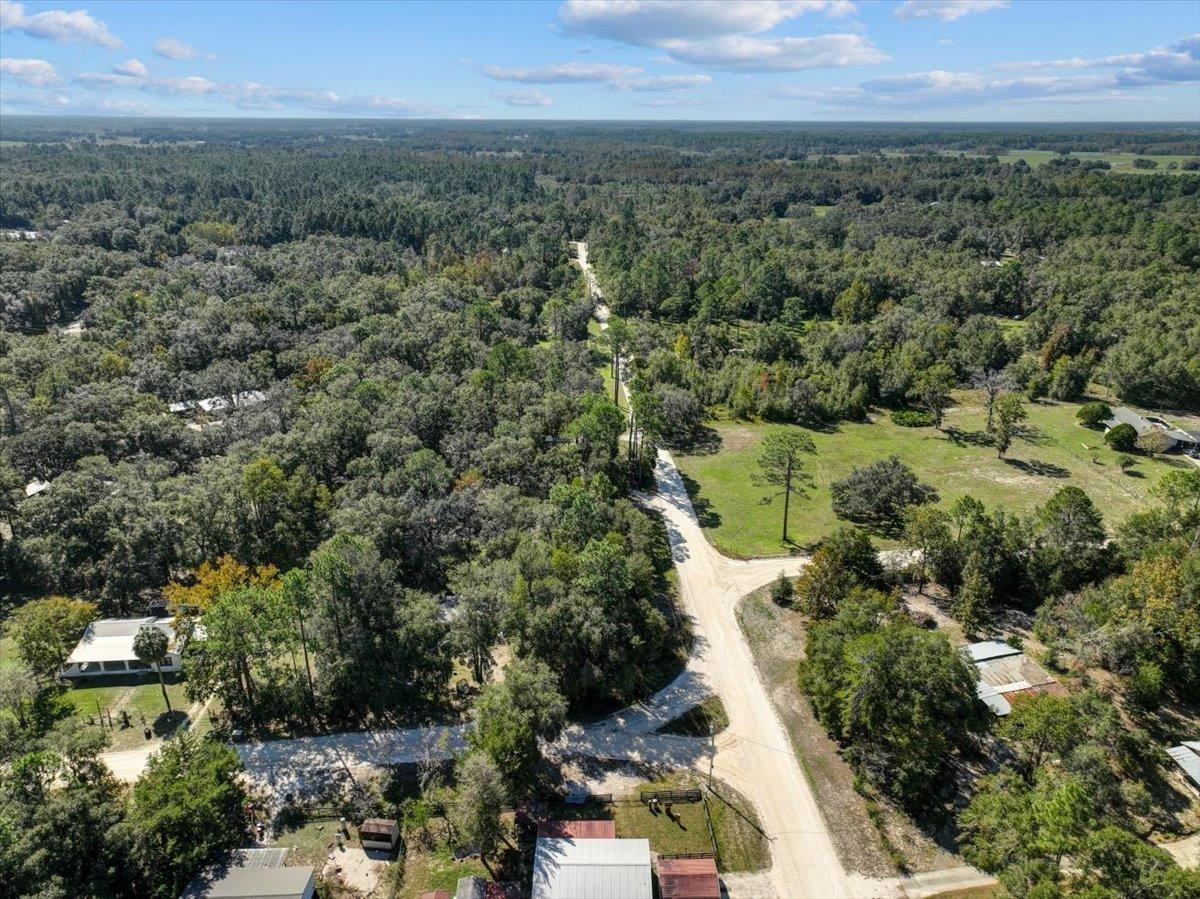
x,y
957,461
142,701
740,844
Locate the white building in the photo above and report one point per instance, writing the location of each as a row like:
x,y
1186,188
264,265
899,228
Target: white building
x,y
218,403
107,648
564,868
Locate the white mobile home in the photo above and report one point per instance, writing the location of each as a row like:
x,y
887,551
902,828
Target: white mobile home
x,y
107,648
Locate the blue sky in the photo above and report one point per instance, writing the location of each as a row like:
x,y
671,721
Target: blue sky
x,y
1024,60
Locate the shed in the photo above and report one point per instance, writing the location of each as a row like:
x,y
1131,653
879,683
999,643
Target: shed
x,y
579,830
1187,757
1004,673
564,868
379,833
688,878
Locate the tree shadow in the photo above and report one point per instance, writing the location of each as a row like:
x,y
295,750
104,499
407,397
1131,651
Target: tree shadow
x,y
1038,468
705,513
1034,436
962,437
704,441
169,722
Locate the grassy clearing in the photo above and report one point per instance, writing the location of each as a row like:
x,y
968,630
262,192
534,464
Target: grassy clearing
x,y
741,845
699,721
1122,163
821,211
957,461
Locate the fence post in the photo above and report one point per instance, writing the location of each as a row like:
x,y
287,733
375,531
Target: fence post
x,y
712,837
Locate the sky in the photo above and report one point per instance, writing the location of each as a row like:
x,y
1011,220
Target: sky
x,y
794,60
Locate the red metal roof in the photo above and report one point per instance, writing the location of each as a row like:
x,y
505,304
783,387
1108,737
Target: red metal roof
x,y
688,878
435,894
579,830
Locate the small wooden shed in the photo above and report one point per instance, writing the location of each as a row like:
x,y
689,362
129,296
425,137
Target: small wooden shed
x,y
379,833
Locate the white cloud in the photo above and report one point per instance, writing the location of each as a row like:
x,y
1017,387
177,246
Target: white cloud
x,y
563,73
945,10
663,82
131,67
57,25
31,72
253,95
1178,62
745,53
530,97
170,48
1088,81
723,35
648,22
622,78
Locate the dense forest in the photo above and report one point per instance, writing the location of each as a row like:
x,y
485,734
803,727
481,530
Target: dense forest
x,y
329,389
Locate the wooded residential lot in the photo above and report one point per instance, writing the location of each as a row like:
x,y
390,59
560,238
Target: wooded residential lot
x,y
333,403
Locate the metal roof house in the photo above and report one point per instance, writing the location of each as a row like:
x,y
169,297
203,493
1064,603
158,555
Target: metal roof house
x,y
253,874
219,403
1187,757
1006,673
585,869
106,647
1177,438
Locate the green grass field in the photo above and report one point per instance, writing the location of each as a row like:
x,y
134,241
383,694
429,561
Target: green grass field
x,y
1120,162
741,846
957,462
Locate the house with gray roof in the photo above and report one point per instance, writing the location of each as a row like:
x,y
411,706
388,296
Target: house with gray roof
x,y
1177,438
253,874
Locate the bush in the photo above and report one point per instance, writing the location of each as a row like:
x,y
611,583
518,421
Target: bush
x,y
1092,415
912,418
1146,685
1122,438
782,590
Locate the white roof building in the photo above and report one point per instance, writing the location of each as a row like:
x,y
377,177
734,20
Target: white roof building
x,y
36,486
219,403
564,868
106,647
1187,757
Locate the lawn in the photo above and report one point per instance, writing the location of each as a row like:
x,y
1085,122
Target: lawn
x,y
741,846
956,461
143,702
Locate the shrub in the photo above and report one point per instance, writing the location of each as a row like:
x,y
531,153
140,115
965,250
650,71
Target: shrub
x,y
912,418
1153,442
782,590
1092,415
1125,462
1146,684
1122,438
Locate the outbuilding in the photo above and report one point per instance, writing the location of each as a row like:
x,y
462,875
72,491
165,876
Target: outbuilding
x,y
1187,756
688,878
379,833
565,868
1005,673
253,874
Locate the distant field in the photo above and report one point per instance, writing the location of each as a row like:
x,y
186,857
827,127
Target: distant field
x,y
1120,162
956,463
